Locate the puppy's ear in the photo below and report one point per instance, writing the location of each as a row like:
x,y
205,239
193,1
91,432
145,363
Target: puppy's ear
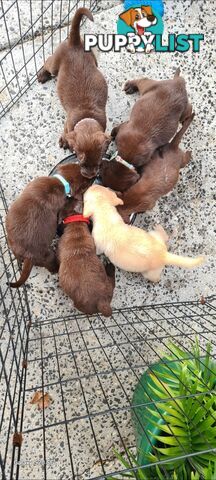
x,y
147,10
120,202
118,199
71,138
127,17
107,141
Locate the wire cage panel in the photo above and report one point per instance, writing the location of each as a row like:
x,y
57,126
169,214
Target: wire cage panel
x,y
31,30
14,329
89,368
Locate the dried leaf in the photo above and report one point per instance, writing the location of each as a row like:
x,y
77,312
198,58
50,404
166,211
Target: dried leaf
x,y
44,402
202,300
37,396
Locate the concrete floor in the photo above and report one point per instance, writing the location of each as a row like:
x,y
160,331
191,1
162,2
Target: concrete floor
x,y
30,134
29,148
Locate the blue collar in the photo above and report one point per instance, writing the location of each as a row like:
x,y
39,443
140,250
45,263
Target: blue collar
x,y
66,184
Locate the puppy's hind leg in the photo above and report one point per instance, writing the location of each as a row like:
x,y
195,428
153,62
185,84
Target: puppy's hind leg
x,y
43,75
153,275
110,271
130,87
163,235
50,68
49,261
178,137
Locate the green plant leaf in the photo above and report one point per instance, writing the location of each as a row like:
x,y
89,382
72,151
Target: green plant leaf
x,y
195,476
167,428
171,440
122,459
175,422
164,391
171,452
160,476
204,426
187,424
177,351
172,408
140,471
199,415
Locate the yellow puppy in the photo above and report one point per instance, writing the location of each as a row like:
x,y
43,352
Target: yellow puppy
x,y
128,247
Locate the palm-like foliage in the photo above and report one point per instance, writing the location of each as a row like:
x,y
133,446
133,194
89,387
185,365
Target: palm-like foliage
x,y
185,398
209,473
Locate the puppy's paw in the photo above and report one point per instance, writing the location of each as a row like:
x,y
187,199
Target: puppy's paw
x,y
63,142
131,48
163,234
149,48
54,267
43,75
130,87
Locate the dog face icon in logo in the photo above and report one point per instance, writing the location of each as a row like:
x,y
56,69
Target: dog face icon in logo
x,y
139,19
140,24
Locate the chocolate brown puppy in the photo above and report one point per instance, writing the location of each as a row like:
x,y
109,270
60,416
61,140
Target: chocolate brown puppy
x,y
154,118
159,176
82,90
117,176
31,221
82,275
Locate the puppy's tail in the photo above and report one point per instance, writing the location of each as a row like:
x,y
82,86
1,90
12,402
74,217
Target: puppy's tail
x,y
177,73
26,270
178,137
74,38
104,308
183,262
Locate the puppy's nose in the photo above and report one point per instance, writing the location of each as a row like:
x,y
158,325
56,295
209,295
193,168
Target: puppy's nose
x,y
150,18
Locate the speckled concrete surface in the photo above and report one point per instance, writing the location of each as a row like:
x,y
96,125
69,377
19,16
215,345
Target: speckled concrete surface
x,y
29,16
30,133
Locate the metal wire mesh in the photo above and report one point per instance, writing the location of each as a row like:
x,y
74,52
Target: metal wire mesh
x,y
30,31
89,367
14,328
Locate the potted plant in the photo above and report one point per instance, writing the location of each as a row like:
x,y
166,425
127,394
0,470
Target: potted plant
x,y
174,418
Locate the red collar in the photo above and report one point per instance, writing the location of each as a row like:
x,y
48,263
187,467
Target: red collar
x,y
76,218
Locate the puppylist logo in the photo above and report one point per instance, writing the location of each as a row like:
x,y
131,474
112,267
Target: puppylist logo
x,y
139,29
